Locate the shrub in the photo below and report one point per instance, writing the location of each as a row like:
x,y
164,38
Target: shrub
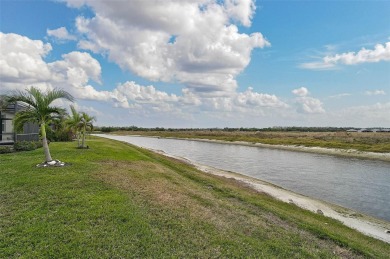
x,y
5,149
39,144
60,135
25,145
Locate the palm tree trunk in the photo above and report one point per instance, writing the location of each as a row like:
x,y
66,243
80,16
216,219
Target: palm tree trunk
x,y
44,143
83,142
78,139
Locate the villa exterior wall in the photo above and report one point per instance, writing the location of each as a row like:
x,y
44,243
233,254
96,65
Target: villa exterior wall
x,y
8,135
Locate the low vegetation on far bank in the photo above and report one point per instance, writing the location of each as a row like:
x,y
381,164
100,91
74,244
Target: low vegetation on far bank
x,y
362,141
118,201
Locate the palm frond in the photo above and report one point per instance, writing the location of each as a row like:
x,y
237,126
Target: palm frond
x,y
39,100
37,95
74,112
57,94
23,117
23,97
56,111
73,120
88,120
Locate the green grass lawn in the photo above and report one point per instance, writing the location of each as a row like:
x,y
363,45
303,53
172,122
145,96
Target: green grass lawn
x,y
119,201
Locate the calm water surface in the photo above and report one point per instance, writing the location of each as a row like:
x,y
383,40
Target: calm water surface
x,y
362,185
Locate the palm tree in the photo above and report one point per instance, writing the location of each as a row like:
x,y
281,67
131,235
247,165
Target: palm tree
x,y
73,122
85,124
58,129
39,110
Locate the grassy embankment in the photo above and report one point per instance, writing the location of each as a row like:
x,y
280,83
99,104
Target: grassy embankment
x,y
119,201
362,141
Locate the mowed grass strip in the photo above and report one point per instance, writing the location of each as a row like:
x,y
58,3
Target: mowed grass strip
x,y
119,201
362,141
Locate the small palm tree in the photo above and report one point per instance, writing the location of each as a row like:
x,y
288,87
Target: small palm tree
x,y
85,124
73,122
38,111
58,129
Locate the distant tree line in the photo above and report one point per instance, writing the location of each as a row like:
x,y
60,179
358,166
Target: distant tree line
x,y
226,129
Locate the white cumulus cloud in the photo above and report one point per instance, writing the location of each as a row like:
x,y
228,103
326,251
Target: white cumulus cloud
x,y
379,53
22,65
74,72
61,34
307,104
77,68
300,91
241,11
195,42
254,99
21,59
310,105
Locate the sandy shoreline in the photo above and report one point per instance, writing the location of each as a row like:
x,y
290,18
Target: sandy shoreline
x,y
365,224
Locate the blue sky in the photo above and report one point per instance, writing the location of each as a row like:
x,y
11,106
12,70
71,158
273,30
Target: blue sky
x,y
205,63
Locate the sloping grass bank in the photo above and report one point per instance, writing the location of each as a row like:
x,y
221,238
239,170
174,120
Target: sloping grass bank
x,y
119,201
